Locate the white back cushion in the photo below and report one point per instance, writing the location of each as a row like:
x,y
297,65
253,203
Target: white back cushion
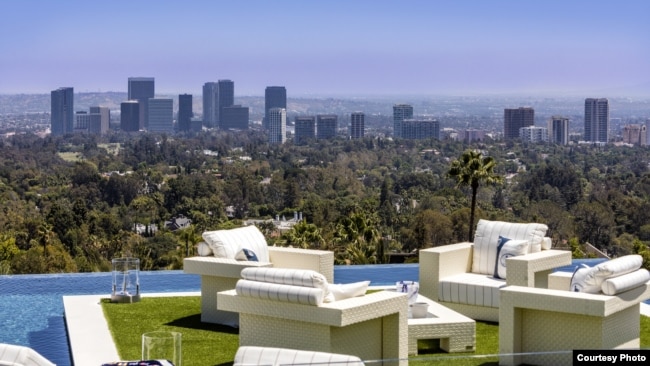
x,y
227,243
486,240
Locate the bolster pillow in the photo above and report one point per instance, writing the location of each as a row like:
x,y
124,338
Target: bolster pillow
x,y
280,292
616,285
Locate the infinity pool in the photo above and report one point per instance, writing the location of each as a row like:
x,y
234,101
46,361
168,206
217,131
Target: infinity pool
x,y
31,306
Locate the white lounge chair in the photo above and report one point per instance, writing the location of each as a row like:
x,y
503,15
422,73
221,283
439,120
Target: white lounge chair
x,y
220,274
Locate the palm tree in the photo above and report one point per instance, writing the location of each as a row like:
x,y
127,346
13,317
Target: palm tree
x,y
470,170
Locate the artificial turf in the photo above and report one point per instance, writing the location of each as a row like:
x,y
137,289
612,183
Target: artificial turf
x,y
210,344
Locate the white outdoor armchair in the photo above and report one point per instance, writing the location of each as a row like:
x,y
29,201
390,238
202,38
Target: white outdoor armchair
x,y
220,274
463,276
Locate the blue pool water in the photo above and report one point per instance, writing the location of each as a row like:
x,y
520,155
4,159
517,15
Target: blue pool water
x,y
31,306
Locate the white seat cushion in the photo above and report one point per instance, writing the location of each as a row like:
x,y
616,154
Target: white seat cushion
x,y
471,289
486,240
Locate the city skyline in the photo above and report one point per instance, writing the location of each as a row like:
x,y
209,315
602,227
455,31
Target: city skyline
x,y
431,48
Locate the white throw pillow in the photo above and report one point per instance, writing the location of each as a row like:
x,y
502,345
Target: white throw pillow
x,y
507,248
584,280
348,290
618,267
227,243
203,249
486,237
616,285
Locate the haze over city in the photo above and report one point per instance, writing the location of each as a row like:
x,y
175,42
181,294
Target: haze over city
x,y
342,48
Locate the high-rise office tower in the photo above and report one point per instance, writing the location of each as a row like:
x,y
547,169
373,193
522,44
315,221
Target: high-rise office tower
x,y
142,89
559,130
274,97
100,119
514,119
635,134
400,113
161,115
130,116
225,98
235,117
305,129
326,126
357,125
277,125
62,111
185,113
596,120
417,129
81,121
210,109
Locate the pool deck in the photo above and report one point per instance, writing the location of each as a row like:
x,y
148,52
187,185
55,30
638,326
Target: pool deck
x,y
90,340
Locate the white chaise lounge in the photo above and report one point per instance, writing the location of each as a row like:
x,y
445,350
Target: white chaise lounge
x,y
464,276
220,270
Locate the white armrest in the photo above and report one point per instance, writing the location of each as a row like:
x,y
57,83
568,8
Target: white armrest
x,y
560,281
218,267
532,270
440,262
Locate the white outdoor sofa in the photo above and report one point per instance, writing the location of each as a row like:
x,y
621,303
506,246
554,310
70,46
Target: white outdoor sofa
x,y
222,273
542,326
462,276
288,309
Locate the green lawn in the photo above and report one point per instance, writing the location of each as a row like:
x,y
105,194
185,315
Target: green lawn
x,y
209,344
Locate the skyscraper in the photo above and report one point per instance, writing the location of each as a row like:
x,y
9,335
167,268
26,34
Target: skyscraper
x,y
225,98
142,89
357,125
326,126
635,134
559,130
185,113
305,129
62,111
274,97
235,117
99,124
210,109
514,119
130,116
161,115
416,129
596,120
277,125
400,113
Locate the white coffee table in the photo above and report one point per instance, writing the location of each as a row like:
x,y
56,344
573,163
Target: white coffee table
x,y
457,333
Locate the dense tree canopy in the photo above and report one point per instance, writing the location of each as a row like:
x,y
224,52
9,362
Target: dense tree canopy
x,y
73,203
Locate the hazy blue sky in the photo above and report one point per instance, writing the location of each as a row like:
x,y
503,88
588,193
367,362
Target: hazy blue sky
x,y
327,47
